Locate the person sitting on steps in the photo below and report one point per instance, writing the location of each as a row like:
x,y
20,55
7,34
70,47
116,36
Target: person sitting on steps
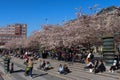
x,y
47,66
60,70
101,67
42,65
89,65
96,62
114,66
66,69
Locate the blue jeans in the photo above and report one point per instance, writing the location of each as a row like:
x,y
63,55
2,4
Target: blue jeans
x,y
30,72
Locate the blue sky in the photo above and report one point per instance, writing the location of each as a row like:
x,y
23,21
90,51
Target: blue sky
x,y
34,12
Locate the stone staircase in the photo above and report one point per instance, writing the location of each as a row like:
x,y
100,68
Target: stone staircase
x,y
78,71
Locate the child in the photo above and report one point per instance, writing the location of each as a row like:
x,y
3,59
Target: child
x,y
27,69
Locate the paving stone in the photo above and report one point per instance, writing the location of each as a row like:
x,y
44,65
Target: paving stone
x,y
78,72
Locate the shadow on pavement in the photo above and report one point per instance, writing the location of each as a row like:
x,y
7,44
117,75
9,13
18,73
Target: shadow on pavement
x,y
21,70
37,75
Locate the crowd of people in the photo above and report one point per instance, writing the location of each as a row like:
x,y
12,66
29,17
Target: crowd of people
x,y
98,65
43,65
92,64
87,57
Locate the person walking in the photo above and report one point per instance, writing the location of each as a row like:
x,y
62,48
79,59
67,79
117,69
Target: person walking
x,y
27,69
30,65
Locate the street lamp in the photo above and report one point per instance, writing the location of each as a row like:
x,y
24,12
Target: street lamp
x,y
46,19
79,11
20,49
20,46
40,49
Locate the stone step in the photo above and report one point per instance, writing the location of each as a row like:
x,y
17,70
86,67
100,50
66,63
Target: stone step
x,y
77,69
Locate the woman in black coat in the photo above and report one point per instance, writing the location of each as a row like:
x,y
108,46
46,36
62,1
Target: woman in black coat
x,y
100,68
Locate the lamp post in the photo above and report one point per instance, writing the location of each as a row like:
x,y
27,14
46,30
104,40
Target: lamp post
x,y
46,19
20,49
40,49
79,13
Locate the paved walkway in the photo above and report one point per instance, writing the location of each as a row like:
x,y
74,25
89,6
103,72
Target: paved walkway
x,y
78,72
19,73
1,76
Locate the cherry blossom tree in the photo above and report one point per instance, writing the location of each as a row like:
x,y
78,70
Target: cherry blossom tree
x,y
85,30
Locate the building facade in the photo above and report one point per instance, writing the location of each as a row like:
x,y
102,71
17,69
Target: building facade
x,y
11,32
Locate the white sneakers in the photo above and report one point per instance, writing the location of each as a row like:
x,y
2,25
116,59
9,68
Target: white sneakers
x,y
111,71
90,70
